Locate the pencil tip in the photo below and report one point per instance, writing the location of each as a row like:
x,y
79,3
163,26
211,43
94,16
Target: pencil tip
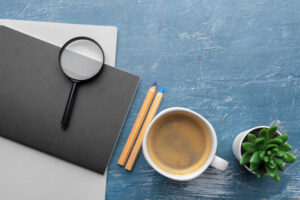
x,y
154,84
162,90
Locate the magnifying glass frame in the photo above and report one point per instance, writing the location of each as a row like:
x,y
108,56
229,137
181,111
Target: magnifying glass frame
x,y
71,99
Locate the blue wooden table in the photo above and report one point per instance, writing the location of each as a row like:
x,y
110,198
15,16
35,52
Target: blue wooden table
x,y
235,62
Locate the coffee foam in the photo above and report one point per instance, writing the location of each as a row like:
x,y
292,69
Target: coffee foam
x,y
179,143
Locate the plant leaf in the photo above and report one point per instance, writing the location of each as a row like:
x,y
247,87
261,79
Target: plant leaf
x,y
263,133
271,171
271,166
245,158
275,150
255,159
253,167
279,154
285,147
277,177
284,157
289,158
269,153
269,146
259,140
284,138
275,141
278,161
251,137
271,162
262,155
272,131
280,167
260,172
248,146
266,159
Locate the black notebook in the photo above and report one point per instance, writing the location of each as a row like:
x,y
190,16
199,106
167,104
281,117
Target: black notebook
x,y
33,95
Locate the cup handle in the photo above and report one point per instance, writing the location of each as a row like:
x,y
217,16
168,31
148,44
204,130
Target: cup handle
x,y
219,163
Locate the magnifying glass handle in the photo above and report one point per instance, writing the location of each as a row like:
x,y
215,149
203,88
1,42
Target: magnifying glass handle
x,y
68,110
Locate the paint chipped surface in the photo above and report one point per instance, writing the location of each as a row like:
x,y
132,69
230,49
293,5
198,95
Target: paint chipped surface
x,y
248,75
228,99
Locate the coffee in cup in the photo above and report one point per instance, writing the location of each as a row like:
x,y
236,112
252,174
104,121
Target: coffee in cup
x,y
179,143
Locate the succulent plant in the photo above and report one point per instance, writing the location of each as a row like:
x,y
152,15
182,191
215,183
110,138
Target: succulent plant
x,y
266,153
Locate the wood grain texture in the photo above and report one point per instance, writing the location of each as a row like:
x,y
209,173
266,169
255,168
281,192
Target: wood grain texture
x,y
235,62
136,126
138,143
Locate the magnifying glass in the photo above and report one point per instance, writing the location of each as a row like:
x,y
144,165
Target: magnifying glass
x,y
81,59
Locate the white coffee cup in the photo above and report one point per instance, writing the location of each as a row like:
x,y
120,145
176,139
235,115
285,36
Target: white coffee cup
x,y
212,159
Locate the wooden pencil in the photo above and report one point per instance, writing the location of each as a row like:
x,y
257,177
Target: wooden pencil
x,y
137,125
138,144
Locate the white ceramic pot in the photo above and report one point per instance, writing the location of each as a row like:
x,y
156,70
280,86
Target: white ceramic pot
x,y
238,141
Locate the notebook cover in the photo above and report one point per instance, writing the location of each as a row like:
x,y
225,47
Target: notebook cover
x,y
33,94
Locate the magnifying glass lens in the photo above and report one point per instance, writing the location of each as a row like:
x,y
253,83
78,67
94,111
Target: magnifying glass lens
x,y
81,59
